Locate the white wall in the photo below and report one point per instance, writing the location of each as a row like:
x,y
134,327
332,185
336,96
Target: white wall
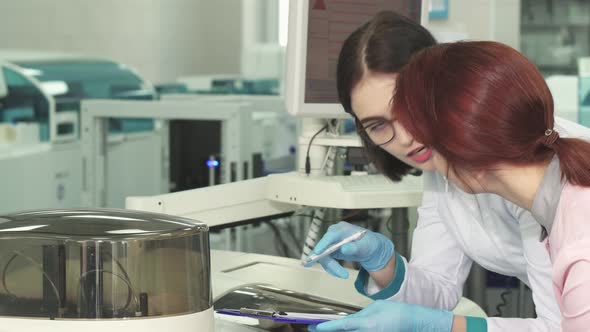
x,y
497,20
162,39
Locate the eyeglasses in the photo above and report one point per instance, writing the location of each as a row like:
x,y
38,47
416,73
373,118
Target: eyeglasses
x,y
379,131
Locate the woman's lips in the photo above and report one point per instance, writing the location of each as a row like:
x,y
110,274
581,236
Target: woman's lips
x,y
420,155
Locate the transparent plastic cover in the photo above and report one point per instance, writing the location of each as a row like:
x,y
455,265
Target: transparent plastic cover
x,y
102,264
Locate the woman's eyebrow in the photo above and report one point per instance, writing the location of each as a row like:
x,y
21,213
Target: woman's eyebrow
x,y
373,119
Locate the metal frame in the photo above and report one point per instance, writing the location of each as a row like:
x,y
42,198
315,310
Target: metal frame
x,y
235,120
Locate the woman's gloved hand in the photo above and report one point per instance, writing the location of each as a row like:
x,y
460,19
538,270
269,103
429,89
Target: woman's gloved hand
x,y
383,315
373,251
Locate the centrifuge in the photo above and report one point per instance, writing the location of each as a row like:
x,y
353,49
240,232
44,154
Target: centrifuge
x,y
101,269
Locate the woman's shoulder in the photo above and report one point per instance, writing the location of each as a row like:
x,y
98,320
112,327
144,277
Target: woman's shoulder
x,y
571,218
575,197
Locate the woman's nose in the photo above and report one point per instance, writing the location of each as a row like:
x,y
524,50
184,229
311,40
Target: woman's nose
x,y
402,136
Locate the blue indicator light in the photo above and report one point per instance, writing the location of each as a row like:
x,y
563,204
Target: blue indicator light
x,y
212,163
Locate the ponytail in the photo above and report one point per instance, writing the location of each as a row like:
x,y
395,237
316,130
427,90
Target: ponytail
x,y
574,160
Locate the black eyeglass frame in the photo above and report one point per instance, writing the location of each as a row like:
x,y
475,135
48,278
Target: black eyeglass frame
x,y
362,130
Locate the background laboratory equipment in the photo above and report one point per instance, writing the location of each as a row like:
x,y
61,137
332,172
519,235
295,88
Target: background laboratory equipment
x,y
40,126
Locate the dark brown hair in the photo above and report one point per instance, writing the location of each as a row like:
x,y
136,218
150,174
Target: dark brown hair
x,y
480,104
382,45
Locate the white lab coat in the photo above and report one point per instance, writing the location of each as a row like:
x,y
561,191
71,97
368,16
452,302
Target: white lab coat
x,y
455,229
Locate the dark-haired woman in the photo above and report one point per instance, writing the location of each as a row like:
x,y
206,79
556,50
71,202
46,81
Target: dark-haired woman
x,y
454,229
487,114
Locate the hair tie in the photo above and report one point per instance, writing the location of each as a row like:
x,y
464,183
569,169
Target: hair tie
x,y
550,137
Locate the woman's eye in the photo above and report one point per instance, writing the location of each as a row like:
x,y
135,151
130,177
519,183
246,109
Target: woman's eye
x,y
375,127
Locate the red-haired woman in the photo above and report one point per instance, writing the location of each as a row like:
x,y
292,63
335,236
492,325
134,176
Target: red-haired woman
x,y
487,114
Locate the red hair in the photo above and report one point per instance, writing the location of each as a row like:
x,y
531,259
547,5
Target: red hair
x,y
483,103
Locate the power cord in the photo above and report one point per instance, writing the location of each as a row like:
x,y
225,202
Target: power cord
x,y
307,162
503,302
313,233
503,297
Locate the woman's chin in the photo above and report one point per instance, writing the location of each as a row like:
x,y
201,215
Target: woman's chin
x,y
426,166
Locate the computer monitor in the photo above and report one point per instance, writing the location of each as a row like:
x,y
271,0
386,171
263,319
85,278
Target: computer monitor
x,y
317,29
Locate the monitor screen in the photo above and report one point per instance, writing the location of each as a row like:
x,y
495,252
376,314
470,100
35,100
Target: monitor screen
x,y
317,29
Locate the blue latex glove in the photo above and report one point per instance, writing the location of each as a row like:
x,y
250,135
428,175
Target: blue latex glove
x,y
372,251
390,316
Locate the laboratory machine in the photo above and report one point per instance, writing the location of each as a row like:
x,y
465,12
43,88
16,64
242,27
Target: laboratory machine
x,y
40,149
202,114
273,132
96,270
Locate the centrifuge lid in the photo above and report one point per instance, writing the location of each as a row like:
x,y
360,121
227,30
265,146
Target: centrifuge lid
x,y
96,224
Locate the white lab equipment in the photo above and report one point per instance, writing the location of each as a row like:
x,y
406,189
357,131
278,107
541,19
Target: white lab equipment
x,y
260,81
39,129
96,270
272,132
235,119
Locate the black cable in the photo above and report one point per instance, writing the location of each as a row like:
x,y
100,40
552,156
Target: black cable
x,y
504,296
307,163
502,304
